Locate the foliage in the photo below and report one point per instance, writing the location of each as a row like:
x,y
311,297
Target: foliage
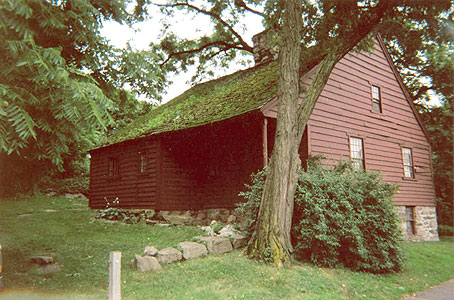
x,y
57,82
72,185
249,209
346,216
341,216
439,122
82,245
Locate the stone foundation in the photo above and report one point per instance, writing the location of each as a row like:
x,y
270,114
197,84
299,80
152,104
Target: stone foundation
x,y
425,220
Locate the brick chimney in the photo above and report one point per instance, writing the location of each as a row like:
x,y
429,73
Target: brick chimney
x,y
265,47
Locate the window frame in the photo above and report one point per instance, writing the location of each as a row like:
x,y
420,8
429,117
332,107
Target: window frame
x,y
411,230
378,100
363,148
143,162
412,165
113,168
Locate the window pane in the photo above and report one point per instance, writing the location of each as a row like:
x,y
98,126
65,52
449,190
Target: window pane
x,y
375,92
407,162
357,152
376,106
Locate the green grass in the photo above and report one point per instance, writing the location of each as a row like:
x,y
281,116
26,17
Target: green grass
x,y
82,245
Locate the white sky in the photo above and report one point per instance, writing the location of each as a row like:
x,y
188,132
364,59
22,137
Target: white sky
x,y
185,26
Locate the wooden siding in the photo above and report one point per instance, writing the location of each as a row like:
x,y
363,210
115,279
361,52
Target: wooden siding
x,y
133,188
345,109
206,167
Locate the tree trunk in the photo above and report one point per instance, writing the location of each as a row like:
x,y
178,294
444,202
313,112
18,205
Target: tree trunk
x,y
271,239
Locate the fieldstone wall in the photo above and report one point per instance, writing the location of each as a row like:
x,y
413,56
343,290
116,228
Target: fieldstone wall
x,y
426,228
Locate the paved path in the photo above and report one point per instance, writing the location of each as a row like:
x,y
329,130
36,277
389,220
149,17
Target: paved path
x,y
444,291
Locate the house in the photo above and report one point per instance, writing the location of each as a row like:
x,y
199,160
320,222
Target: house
x,y
193,154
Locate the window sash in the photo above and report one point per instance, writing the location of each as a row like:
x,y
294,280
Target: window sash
x,y
357,152
376,99
113,168
407,157
410,219
143,162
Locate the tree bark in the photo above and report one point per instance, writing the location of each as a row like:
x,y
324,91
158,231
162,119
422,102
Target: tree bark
x,y
271,239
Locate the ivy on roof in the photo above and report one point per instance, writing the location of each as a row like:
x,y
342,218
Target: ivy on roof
x,y
209,102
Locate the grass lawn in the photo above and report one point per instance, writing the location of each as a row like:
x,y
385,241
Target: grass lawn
x,y
66,228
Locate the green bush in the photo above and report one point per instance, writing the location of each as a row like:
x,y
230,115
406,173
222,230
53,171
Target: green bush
x,y
250,208
346,216
341,217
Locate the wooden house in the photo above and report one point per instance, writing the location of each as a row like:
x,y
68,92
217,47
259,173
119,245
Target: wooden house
x,y
197,151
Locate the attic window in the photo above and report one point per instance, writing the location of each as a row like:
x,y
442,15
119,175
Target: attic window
x,y
357,152
376,99
114,169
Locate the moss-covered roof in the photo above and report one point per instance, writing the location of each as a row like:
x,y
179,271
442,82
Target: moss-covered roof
x,y
205,103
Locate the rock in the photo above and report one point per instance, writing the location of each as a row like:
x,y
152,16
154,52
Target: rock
x,y
193,250
49,210
169,255
228,231
42,260
145,263
217,245
150,251
78,196
231,219
49,269
239,241
51,194
209,231
178,219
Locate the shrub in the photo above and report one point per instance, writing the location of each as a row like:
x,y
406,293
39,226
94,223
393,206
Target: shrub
x,y
250,208
341,216
346,216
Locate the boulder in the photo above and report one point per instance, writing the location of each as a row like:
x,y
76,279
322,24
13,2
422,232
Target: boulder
x,y
145,263
193,250
178,219
228,231
239,241
150,251
42,260
169,255
217,245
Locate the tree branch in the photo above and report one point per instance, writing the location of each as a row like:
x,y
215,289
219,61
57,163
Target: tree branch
x,y
245,45
241,4
226,45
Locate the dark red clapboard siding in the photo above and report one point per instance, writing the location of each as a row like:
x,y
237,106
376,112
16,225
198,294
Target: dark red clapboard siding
x,y
131,187
344,109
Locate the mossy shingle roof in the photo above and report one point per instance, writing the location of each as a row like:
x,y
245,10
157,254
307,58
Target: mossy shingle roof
x,y
209,102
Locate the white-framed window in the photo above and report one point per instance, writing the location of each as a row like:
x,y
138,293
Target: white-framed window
x,y
407,157
357,152
376,99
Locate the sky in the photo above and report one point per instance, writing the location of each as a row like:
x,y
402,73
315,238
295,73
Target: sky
x,y
142,34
